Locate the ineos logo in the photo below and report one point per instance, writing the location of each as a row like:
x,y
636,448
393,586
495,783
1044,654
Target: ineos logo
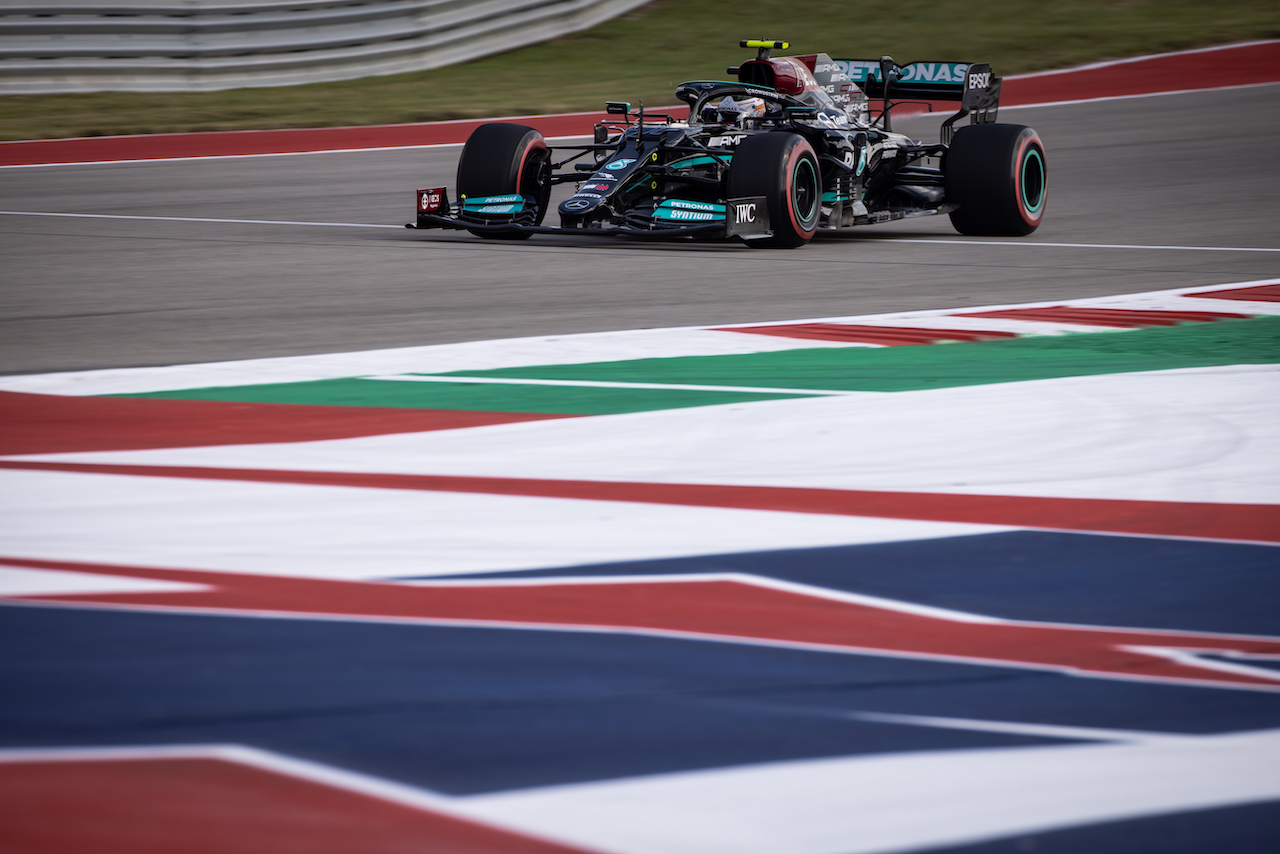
x,y
746,212
980,81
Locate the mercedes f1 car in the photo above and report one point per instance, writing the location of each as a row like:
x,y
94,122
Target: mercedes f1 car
x,y
786,150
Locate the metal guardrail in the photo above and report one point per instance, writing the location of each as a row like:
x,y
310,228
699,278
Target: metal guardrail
x,y
49,46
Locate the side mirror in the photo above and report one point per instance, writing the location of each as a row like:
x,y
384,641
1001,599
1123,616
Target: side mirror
x,y
601,134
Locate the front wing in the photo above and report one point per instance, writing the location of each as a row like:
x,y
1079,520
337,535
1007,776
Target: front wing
x,y
745,218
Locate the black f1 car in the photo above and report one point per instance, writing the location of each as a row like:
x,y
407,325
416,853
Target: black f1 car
x,y
772,158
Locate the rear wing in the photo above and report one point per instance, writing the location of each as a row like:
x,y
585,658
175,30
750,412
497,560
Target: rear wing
x,y
970,83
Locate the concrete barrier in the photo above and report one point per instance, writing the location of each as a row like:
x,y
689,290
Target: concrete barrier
x,y
49,46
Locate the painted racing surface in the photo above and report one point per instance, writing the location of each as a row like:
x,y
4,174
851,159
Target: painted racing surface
x,y
972,580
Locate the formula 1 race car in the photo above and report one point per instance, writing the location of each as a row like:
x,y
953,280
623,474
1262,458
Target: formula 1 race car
x,y
787,150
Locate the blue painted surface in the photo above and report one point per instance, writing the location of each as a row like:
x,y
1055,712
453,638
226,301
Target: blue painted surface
x,y
1136,582
458,710
469,710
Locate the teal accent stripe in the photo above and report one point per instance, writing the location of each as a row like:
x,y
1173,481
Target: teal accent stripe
x,y
1040,166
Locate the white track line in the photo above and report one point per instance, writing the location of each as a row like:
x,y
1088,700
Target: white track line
x,y
1042,730
1024,244
1141,246
202,219
1074,101
148,160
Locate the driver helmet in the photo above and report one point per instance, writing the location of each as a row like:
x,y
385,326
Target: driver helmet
x,y
733,112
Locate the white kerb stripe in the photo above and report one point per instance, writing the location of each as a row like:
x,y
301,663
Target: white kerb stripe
x,y
24,581
898,802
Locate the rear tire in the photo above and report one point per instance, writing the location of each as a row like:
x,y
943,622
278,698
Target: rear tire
x,y
998,177
783,168
500,159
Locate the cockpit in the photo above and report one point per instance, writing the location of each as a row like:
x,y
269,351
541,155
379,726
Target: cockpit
x,y
745,112
814,80
767,89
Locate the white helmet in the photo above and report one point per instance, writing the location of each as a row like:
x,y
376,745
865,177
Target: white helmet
x,y
739,112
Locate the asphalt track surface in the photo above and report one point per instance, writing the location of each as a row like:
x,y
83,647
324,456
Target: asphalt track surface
x,y
1156,192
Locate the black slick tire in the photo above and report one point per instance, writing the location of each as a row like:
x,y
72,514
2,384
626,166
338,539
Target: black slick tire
x,y
997,174
500,159
783,168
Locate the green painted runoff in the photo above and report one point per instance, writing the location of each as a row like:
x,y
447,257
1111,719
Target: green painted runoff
x,y
886,369
1233,342
474,397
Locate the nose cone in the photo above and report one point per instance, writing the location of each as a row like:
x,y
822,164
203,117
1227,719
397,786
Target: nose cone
x,y
579,205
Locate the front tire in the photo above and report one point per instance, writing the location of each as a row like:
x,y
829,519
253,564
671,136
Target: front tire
x,y
500,159
783,168
998,176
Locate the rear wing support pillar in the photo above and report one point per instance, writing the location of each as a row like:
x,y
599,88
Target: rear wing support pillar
x,y
890,73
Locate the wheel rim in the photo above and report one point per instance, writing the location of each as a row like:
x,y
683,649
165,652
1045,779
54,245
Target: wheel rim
x,y
1033,181
804,191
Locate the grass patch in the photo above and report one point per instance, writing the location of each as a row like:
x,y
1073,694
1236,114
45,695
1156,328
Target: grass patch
x,y
645,54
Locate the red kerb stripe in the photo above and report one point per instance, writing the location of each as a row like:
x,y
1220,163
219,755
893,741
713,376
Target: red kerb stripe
x,y
1249,522
1120,317
283,141
210,806
1260,293
1232,65
713,608
51,424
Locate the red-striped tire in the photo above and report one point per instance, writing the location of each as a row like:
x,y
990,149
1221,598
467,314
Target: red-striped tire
x,y
998,176
500,159
783,168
